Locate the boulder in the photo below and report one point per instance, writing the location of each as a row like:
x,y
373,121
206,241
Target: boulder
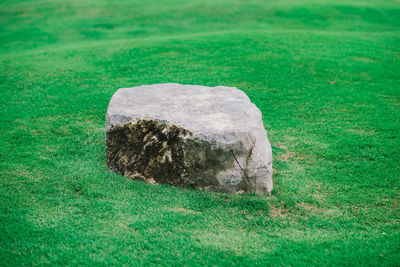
x,y
203,137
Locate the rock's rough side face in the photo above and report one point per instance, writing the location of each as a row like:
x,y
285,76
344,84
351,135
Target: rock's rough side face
x,y
185,135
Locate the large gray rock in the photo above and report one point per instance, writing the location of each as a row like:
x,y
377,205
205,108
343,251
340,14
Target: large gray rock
x,y
188,135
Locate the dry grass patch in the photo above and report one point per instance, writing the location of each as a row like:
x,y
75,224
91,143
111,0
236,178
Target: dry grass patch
x,y
183,210
278,212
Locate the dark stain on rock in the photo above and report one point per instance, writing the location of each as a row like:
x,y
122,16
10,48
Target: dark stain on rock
x,y
149,149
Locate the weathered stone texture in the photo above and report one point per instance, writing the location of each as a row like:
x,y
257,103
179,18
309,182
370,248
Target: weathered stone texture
x,y
183,135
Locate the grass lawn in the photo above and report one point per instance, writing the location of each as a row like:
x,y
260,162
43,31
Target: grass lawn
x,y
325,75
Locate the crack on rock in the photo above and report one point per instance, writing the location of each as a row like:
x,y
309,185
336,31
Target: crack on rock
x,y
247,166
244,171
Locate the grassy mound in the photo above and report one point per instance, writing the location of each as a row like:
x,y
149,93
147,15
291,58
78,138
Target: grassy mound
x,y
325,75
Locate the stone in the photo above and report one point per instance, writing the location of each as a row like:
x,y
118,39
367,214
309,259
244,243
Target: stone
x,y
208,138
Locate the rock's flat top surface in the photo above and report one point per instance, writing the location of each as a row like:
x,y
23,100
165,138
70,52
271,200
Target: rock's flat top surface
x,y
200,109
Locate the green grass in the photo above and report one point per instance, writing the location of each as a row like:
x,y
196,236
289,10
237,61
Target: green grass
x,y
325,75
